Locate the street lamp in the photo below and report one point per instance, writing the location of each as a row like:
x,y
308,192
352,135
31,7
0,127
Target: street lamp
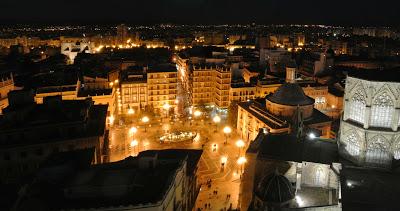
x,y
312,136
197,113
216,120
145,120
241,161
133,144
111,119
227,131
131,111
132,131
240,144
224,159
166,107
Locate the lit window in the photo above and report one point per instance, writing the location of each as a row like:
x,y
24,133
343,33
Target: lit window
x,y
352,144
377,151
357,107
319,177
382,111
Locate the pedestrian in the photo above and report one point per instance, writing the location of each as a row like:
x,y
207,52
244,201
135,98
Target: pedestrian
x,y
205,206
209,205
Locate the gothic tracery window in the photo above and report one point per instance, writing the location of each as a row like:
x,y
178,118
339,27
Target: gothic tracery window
x,y
319,179
352,144
378,151
357,106
382,111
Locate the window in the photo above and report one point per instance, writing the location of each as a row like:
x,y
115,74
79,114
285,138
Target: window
x,y
352,144
357,107
378,151
382,111
319,179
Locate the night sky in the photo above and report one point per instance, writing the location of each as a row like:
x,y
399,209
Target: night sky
x,y
336,12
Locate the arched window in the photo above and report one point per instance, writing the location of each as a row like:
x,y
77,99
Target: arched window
x,y
377,151
357,107
352,144
382,111
319,179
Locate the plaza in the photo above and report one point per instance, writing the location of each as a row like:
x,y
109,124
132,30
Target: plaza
x,y
221,162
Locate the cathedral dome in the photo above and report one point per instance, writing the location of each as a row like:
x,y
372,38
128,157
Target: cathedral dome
x,y
274,188
290,94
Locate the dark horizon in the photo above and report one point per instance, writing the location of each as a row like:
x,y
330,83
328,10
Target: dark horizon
x,y
204,12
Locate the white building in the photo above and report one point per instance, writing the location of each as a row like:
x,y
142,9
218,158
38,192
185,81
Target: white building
x,y
71,49
369,130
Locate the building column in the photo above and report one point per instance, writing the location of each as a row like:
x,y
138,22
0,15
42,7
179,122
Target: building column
x,y
395,121
367,115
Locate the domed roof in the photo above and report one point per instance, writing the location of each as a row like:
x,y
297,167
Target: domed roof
x,y
290,94
275,188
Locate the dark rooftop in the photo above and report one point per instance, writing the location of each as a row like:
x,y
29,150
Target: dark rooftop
x,y
117,184
257,109
40,123
286,147
94,92
290,94
167,67
388,75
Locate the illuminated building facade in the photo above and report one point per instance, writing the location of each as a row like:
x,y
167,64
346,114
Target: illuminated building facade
x,y
278,112
211,85
153,88
369,130
6,85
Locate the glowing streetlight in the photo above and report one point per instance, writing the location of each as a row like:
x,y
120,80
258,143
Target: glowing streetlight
x,y
216,120
224,159
166,107
131,111
197,113
240,144
116,81
133,144
311,135
241,161
145,120
111,83
111,119
132,130
227,131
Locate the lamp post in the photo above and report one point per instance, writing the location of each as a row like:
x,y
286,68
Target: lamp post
x,y
133,144
227,131
131,111
145,120
216,120
224,159
132,131
240,144
241,161
166,107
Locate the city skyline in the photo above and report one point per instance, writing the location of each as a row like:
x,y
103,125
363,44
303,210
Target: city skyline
x,y
369,13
